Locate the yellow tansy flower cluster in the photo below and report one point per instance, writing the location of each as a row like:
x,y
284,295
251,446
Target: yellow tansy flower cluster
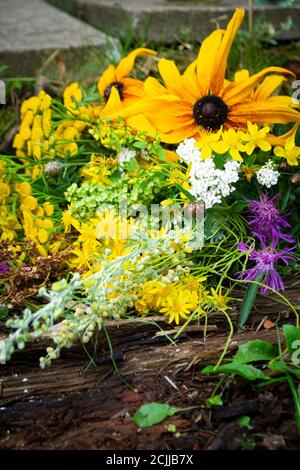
x,y
35,129
36,220
9,224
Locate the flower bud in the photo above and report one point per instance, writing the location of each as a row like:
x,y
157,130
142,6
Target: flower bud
x,y
295,180
53,168
284,166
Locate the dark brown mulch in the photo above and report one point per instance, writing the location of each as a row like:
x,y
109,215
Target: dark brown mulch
x,y
74,405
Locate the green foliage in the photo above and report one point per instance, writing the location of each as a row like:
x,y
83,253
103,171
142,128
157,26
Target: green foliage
x,y
255,350
153,413
145,188
249,299
215,400
247,371
282,363
245,422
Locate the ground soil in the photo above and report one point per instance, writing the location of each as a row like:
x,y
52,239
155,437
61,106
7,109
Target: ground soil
x,y
76,404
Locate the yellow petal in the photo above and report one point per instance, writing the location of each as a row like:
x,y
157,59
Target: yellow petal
x,y
206,152
263,112
235,154
220,147
206,60
141,123
242,90
153,87
279,152
144,105
106,79
126,65
281,140
241,75
169,73
113,104
268,86
249,147
171,156
220,63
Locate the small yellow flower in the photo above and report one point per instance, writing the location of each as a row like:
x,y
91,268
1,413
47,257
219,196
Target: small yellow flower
x,y
43,235
232,142
72,96
207,143
289,151
194,283
48,208
30,203
83,257
25,132
68,221
4,191
256,137
24,189
219,300
44,223
107,225
45,100
180,306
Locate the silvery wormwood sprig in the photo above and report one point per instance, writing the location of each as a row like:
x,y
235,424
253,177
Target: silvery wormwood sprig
x,y
119,277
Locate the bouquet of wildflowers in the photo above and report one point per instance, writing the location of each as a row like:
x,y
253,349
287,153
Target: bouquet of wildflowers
x,y
155,196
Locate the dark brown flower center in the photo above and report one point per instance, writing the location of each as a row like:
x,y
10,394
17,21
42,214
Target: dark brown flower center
x,y
210,112
118,85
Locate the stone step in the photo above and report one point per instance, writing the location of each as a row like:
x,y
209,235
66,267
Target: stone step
x,y
32,30
166,20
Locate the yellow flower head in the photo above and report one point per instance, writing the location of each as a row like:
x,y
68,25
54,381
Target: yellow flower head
x,y
201,100
256,137
117,77
29,203
290,152
219,301
72,96
180,306
4,192
24,189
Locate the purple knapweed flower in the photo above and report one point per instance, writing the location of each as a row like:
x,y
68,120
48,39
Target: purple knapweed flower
x,y
265,261
267,221
4,269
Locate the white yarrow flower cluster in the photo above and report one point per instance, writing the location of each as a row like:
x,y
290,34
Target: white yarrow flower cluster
x,y
125,155
188,152
209,184
267,175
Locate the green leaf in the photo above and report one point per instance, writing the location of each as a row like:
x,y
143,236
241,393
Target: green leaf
x,y
214,401
219,161
249,299
153,413
256,350
244,422
185,192
160,152
247,371
251,160
140,144
280,366
3,312
239,206
291,334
